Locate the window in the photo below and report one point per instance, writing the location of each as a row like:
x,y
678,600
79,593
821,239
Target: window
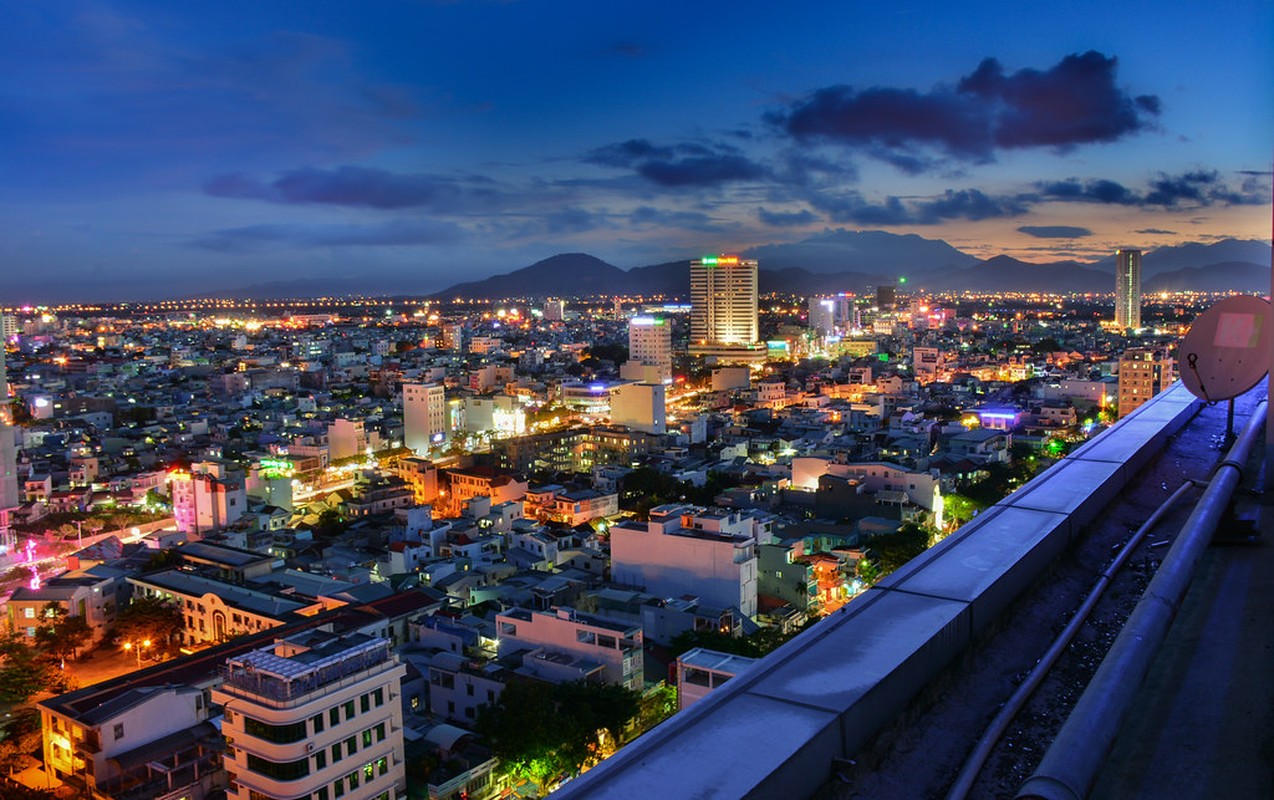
x,y
286,771
339,787
320,759
380,731
585,637
321,794
336,752
278,734
369,771
382,765
469,689
379,697
365,703
334,716
352,779
508,629
609,642
349,710
28,612
317,720
367,738
119,730
351,745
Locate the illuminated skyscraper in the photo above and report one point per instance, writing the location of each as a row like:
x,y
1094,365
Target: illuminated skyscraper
x,y
1127,289
723,308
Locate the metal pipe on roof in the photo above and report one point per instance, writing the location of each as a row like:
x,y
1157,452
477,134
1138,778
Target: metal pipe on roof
x,y
1074,760
982,750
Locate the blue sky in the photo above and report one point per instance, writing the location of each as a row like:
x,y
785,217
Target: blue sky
x,y
160,149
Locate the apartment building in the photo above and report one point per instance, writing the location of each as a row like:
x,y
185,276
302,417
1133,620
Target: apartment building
x,y
314,716
614,644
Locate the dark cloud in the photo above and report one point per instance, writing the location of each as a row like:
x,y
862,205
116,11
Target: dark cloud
x,y
1093,191
651,217
1073,102
682,165
1155,232
573,220
1196,188
780,219
397,233
1054,231
967,204
360,187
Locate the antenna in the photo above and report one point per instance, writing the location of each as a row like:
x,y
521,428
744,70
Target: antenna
x,y
1225,351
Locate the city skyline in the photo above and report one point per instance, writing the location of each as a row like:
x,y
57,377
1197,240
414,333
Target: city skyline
x,y
165,152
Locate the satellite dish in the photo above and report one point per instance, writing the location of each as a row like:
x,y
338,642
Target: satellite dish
x,y
1226,351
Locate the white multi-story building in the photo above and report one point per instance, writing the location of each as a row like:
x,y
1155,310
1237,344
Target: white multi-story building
x,y
615,645
207,498
424,416
315,716
650,343
640,406
685,550
346,438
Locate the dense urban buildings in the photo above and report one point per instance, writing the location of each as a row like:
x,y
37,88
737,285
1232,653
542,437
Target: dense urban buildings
x,y
409,513
1127,289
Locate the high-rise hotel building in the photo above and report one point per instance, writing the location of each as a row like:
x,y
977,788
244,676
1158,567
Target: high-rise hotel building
x,y
723,309
1127,289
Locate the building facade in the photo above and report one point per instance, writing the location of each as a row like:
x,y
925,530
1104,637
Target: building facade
x,y
650,342
1127,289
314,716
681,551
723,303
1143,373
424,416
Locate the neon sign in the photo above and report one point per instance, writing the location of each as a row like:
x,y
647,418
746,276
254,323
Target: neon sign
x,y
719,261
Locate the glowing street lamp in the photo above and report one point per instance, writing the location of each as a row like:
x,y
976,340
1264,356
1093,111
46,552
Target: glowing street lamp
x,y
137,649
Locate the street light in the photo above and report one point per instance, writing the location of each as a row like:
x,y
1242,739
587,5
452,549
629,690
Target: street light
x,y
129,647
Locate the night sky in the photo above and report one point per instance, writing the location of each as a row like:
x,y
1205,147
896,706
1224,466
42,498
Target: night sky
x,y
162,149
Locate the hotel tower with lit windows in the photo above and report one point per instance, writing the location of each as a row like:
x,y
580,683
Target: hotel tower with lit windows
x,y
723,309
1127,289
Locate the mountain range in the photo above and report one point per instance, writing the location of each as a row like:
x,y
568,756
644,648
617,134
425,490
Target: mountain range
x,y
854,260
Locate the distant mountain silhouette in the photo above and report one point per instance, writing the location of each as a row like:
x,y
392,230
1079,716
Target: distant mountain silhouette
x,y
571,274
1007,274
1238,276
1193,254
873,252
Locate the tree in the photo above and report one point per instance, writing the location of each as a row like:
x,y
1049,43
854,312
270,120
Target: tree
x,y
542,731
960,508
150,618
25,671
62,636
19,736
892,550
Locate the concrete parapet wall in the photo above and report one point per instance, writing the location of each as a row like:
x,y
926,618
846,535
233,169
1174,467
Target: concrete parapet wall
x,y
775,730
